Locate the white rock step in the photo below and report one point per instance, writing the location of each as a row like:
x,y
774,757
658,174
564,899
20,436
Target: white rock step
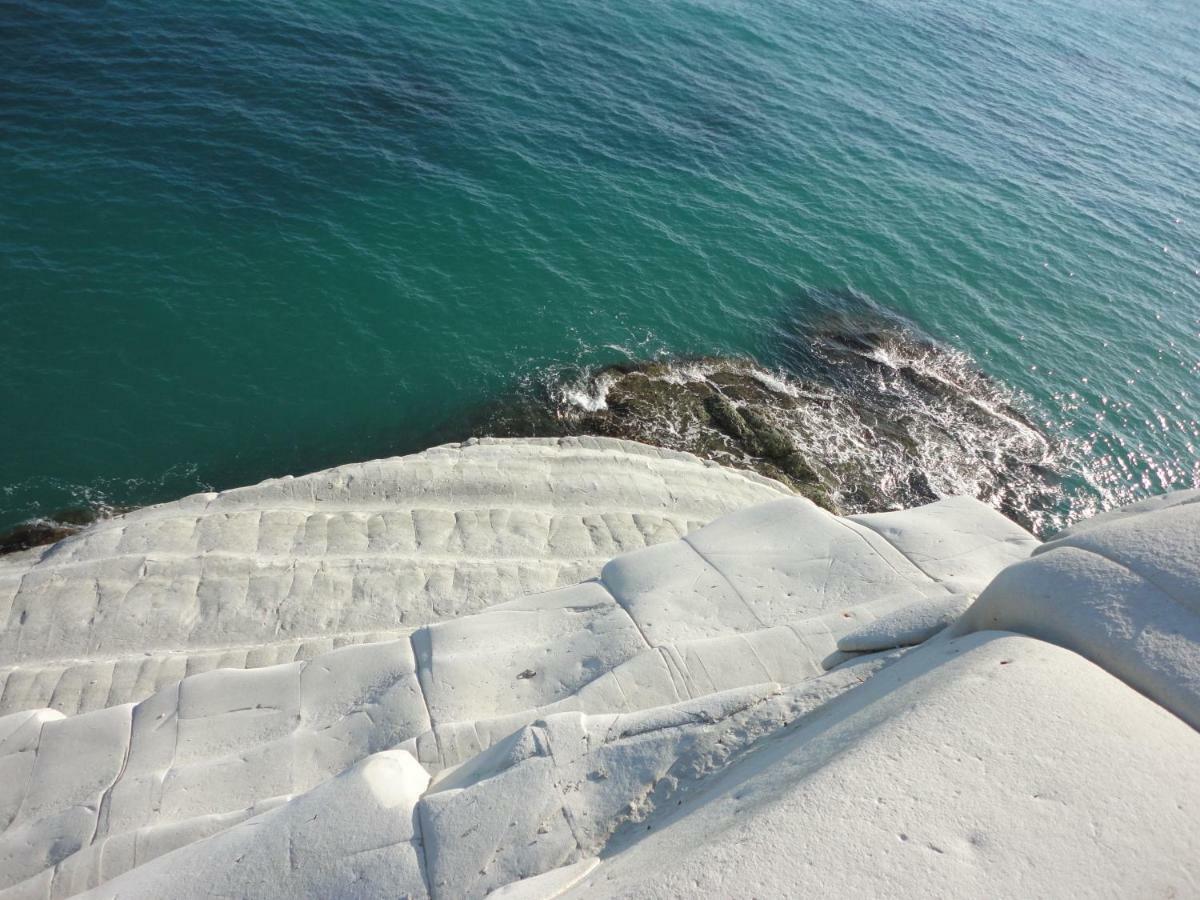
x,y
295,566
759,597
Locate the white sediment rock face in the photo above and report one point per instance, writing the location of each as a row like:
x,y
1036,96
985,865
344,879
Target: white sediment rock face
x,y
736,709
294,567
1123,590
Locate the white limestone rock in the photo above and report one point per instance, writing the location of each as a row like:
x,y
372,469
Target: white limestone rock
x,y
911,624
523,654
553,794
547,885
1150,504
76,762
354,835
20,735
990,765
219,747
1124,593
708,717
295,567
958,541
766,565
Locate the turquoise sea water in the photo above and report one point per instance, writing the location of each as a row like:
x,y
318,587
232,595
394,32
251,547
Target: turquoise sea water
x,y
243,239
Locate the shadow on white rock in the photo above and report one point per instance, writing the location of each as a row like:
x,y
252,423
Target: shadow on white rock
x,y
352,836
988,765
1123,591
709,716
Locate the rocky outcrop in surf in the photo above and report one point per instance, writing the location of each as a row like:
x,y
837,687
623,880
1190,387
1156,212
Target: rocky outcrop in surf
x,y
870,419
51,529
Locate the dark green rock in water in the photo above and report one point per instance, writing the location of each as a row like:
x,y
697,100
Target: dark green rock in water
x,y
62,524
725,416
767,440
861,432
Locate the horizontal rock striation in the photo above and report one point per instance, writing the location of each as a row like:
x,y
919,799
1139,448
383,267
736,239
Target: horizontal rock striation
x,y
295,567
777,702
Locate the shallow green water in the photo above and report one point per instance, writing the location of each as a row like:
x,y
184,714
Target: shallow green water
x,y
244,239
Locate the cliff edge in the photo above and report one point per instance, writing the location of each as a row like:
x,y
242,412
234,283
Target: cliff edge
x,y
780,701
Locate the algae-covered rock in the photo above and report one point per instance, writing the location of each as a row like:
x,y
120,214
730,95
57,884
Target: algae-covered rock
x,y
865,421
731,417
768,440
726,417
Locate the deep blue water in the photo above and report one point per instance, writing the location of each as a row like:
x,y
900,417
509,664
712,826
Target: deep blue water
x,y
244,239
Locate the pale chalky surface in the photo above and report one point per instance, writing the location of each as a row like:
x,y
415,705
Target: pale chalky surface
x,y
737,710
991,765
721,616
295,567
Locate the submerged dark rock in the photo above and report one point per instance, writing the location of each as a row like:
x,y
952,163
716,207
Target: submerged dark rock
x,y
721,417
32,534
865,419
39,532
